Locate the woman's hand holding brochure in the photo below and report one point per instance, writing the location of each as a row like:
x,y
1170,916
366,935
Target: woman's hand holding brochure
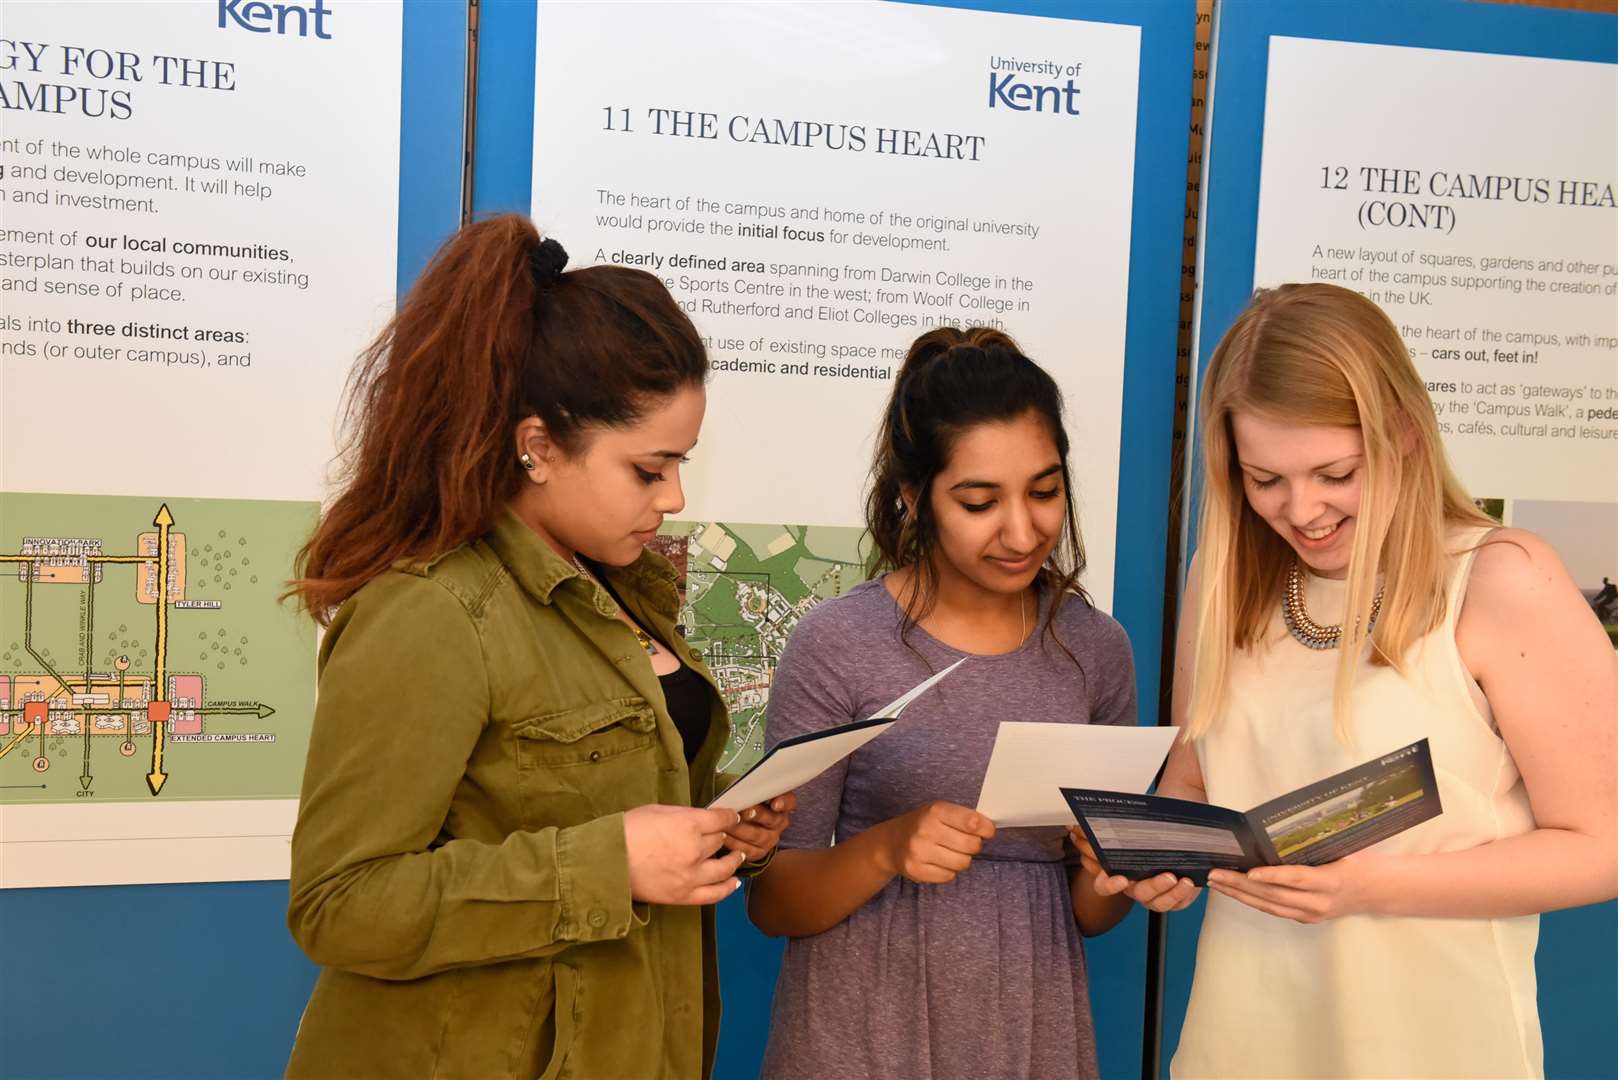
x,y
1161,892
1306,894
934,842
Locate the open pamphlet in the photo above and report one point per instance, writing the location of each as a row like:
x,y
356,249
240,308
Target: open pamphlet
x,y
1139,836
1031,763
798,760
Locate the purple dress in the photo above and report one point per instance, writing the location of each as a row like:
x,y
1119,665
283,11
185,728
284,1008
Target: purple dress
x,y
982,977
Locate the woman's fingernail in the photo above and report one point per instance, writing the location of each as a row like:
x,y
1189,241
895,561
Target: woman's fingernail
x,y
749,815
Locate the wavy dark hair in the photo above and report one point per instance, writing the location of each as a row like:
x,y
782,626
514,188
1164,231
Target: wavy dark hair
x,y
493,332
954,380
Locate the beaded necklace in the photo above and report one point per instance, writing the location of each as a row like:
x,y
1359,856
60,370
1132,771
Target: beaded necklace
x,y
1310,634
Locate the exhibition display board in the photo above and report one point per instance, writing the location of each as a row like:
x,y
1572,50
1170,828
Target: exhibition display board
x,y
129,101
209,207
817,184
183,301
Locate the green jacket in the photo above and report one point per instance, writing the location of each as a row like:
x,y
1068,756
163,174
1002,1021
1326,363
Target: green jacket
x,y
458,866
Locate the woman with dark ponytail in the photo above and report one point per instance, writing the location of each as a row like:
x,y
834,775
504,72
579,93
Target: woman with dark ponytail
x,y
498,859
923,944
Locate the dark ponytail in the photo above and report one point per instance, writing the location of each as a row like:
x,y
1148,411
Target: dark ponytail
x,y
492,332
953,380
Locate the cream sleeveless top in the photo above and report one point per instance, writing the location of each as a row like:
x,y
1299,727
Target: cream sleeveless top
x,y
1367,995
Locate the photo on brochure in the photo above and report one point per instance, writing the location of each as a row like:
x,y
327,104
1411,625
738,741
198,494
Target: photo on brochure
x,y
1139,836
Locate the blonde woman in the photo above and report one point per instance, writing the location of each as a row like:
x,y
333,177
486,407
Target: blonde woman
x,y
1347,599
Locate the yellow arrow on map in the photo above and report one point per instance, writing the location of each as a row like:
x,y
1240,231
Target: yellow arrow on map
x,y
156,778
160,686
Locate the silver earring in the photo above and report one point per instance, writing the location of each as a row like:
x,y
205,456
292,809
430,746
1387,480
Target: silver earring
x,y
527,462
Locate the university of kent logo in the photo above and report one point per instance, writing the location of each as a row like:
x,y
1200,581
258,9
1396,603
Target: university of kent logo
x,y
261,17
1033,86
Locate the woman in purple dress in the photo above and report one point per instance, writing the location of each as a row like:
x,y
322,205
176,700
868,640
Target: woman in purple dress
x,y
923,944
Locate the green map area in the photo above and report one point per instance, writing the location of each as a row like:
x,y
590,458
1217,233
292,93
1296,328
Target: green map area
x,y
746,587
114,688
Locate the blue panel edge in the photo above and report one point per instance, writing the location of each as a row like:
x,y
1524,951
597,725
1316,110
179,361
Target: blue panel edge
x,y
432,121
503,151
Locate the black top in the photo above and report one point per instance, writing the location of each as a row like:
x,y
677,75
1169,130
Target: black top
x,y
689,699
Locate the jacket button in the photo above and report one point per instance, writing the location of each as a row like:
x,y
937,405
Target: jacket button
x,y
595,755
598,918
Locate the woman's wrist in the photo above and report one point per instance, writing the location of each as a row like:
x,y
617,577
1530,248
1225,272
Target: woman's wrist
x,y
1374,875
879,855
755,867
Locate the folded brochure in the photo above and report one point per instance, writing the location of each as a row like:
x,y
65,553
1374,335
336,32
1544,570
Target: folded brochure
x,y
1031,762
1139,836
796,761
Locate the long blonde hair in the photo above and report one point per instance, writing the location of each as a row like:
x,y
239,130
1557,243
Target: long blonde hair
x,y
1324,355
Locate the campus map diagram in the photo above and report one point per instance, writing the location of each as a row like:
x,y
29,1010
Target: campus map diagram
x,y
746,587
143,650
112,688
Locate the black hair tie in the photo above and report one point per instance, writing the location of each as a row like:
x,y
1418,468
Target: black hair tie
x,y
546,261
